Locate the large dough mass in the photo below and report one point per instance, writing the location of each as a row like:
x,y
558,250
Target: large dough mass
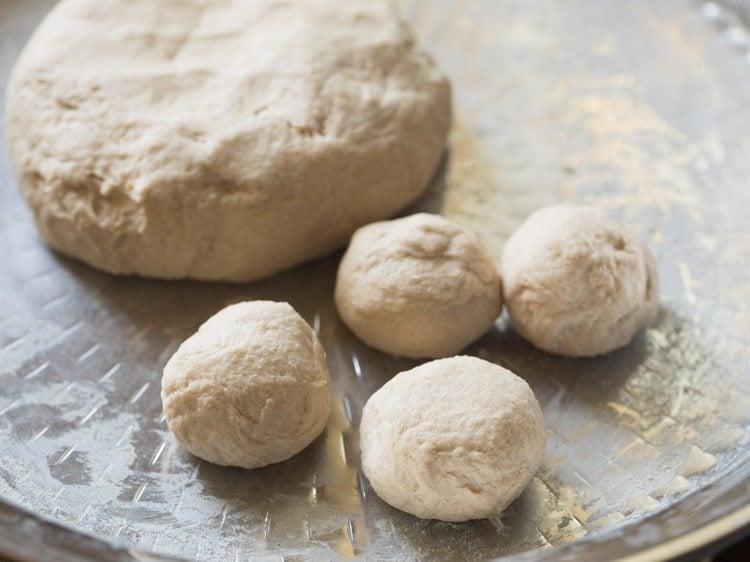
x,y
220,140
453,439
250,388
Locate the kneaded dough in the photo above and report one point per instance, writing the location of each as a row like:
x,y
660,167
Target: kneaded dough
x,y
453,439
220,140
576,282
419,286
250,388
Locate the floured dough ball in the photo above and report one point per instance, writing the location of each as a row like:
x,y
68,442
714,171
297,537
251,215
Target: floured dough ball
x,y
420,286
220,140
250,388
576,282
453,439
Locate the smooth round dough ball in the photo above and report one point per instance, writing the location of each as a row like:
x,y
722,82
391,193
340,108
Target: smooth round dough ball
x,y
576,282
220,140
250,388
419,286
453,439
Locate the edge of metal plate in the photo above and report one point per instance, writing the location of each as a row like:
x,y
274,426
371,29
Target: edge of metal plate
x,y
703,518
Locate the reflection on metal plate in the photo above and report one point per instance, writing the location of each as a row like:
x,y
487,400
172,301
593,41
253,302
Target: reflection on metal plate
x,y
636,107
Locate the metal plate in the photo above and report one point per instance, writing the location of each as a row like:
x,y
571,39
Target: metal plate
x,y
636,107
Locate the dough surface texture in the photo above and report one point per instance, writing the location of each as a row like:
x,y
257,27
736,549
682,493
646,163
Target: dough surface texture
x,y
220,140
419,286
578,283
453,439
250,388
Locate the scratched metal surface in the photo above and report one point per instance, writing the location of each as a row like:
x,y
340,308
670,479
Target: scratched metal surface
x,y
637,107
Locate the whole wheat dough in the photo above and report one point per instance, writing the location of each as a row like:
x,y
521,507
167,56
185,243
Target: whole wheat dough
x,y
453,439
420,286
576,282
250,388
220,140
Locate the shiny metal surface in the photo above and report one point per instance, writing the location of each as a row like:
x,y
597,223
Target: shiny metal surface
x,y
637,107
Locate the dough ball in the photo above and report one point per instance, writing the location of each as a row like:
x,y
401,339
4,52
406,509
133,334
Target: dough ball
x,y
220,140
250,388
453,439
419,286
576,282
